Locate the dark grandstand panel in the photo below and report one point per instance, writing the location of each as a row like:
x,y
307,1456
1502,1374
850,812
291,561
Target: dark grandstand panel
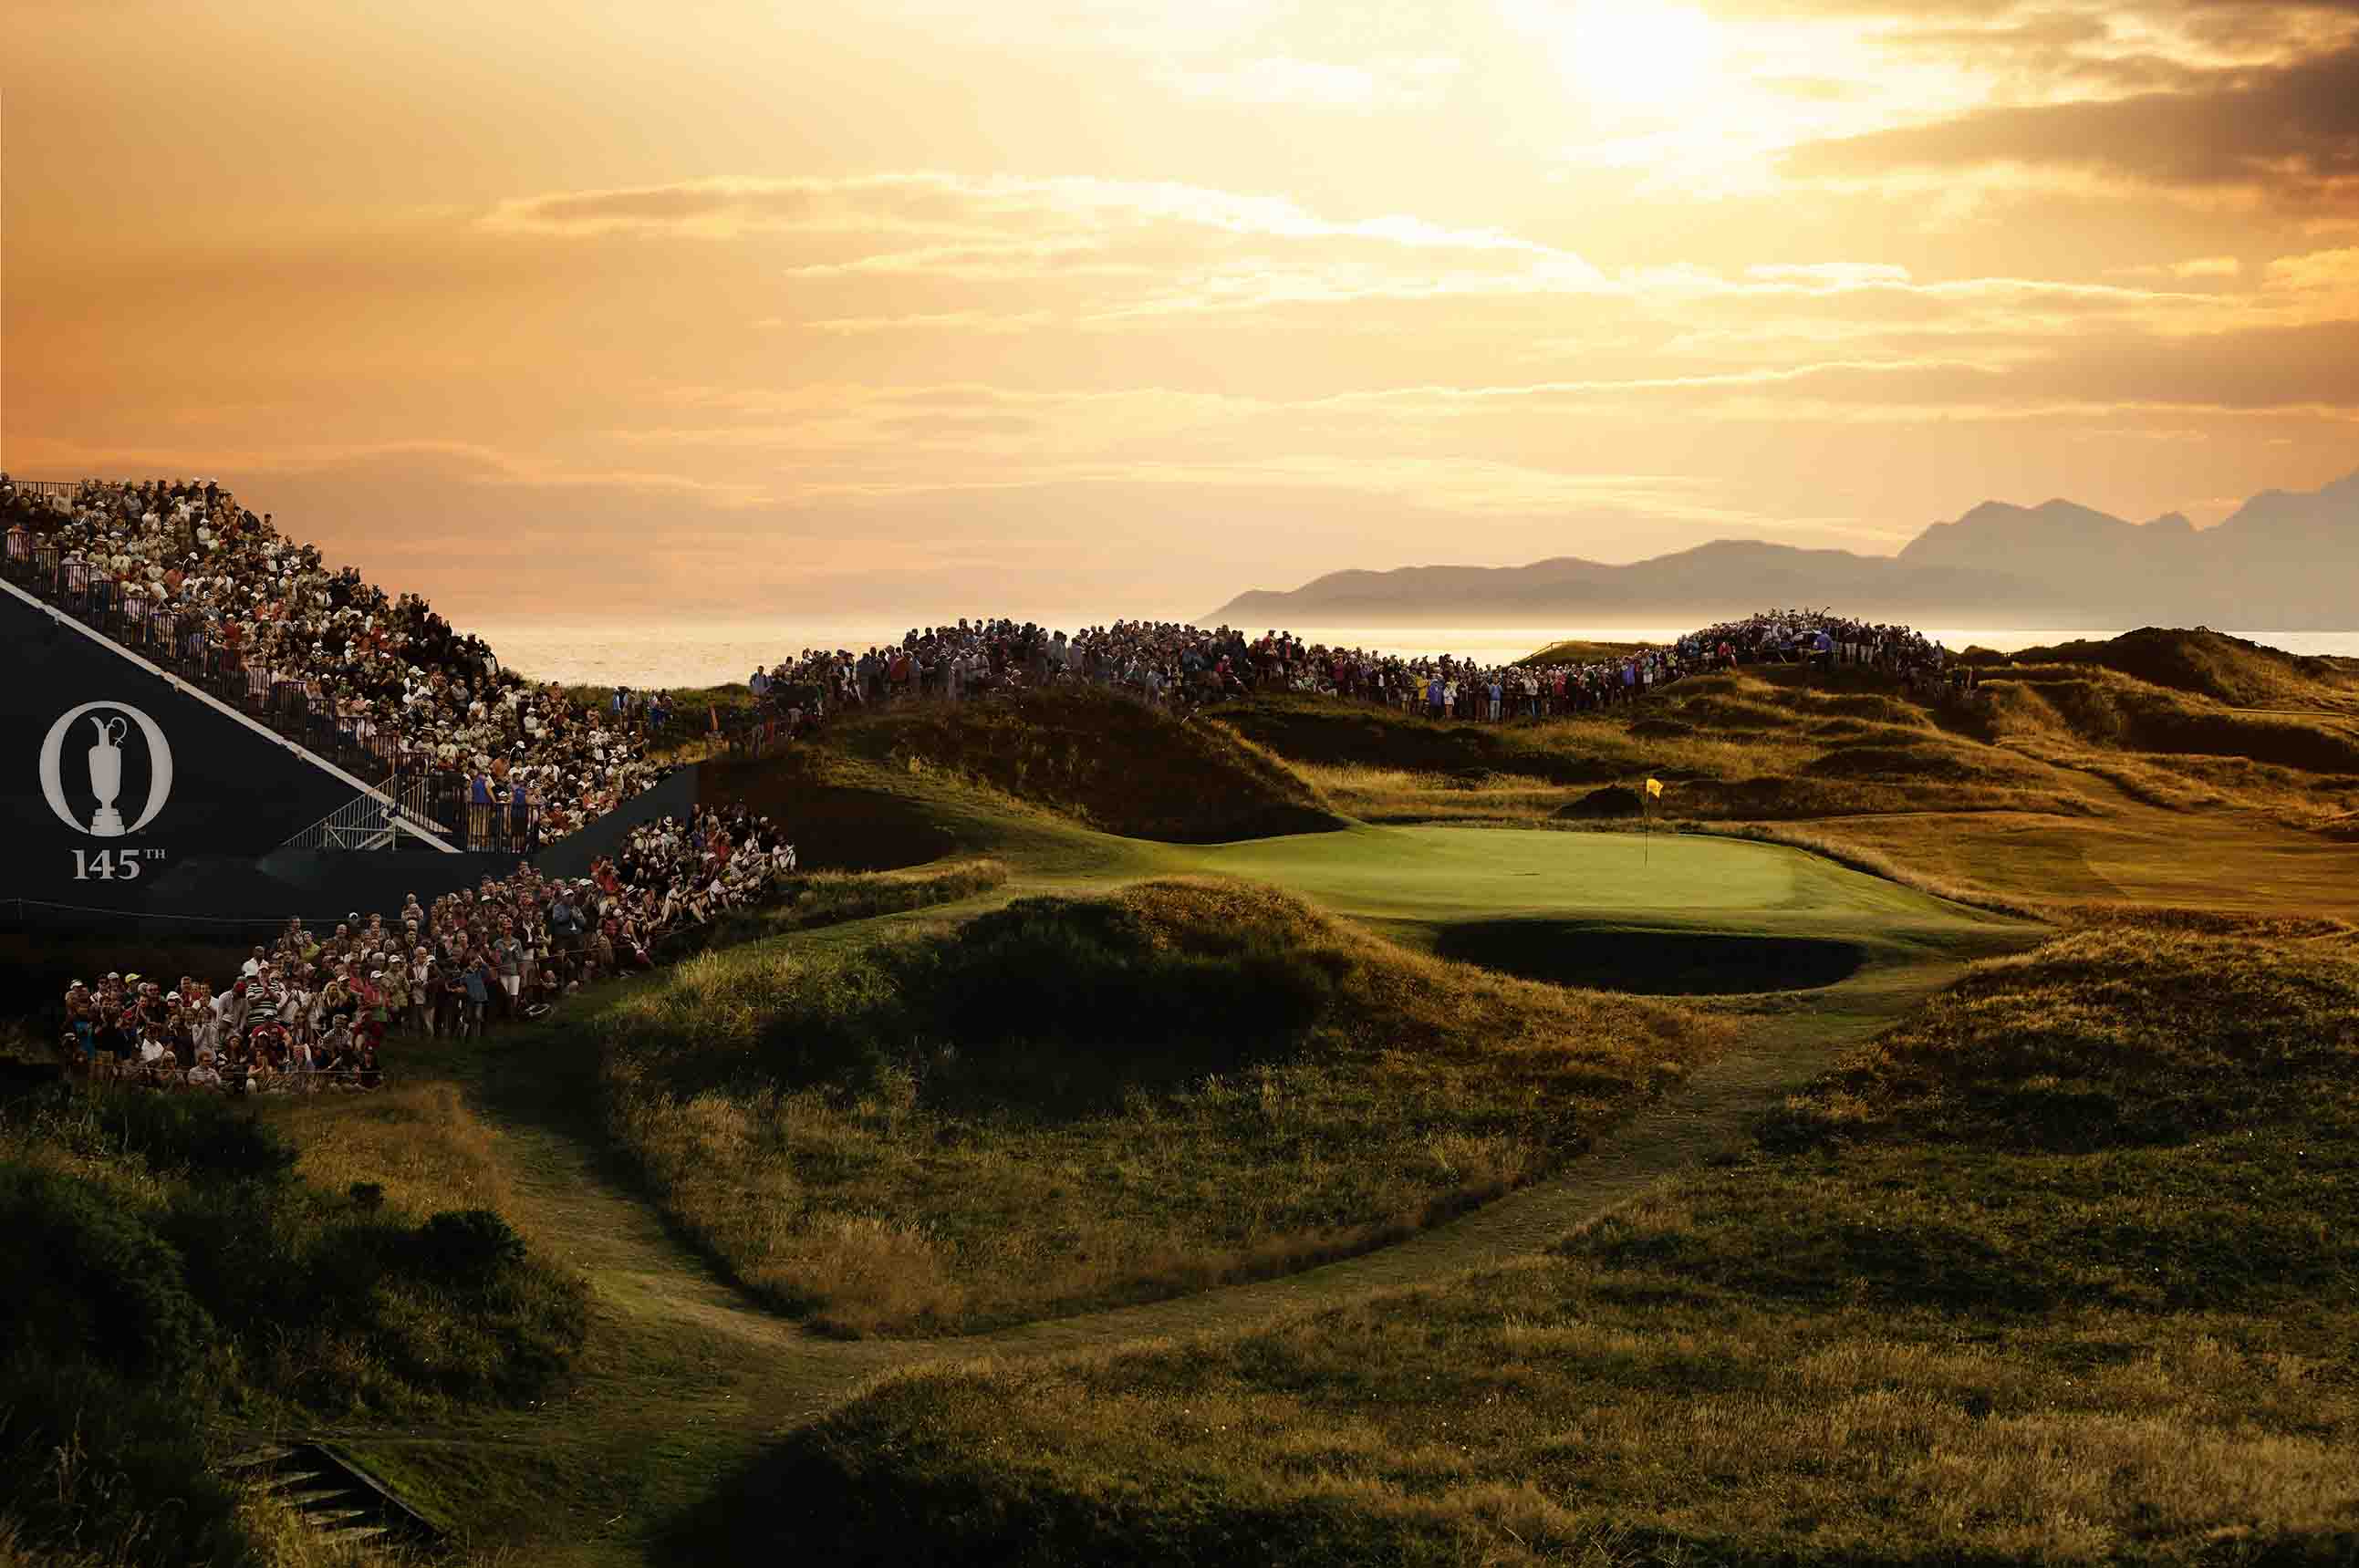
x,y
206,851
119,776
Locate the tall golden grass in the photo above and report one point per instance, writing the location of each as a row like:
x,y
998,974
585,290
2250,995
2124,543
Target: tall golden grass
x,y
853,1151
1911,1327
419,1142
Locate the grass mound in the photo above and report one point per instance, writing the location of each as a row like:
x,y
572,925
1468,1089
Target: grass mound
x,y
1863,757
2097,707
1785,744
161,1265
1075,1103
1612,801
1327,733
817,899
1854,1344
1112,762
1736,745
2227,669
834,811
2086,1044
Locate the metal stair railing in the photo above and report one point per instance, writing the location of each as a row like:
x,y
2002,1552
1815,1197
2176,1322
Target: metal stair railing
x,y
366,822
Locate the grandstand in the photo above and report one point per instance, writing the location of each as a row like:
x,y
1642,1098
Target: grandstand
x,y
184,769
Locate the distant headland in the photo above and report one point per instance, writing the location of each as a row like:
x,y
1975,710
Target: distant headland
x,y
2284,560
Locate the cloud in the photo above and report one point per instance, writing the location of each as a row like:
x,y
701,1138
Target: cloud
x,y
1835,274
995,210
2336,269
1283,80
980,322
2192,268
2289,132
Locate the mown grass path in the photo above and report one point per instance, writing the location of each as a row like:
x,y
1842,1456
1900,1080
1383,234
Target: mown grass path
x,y
687,1377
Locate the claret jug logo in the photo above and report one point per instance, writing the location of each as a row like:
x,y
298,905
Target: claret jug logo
x,y
90,802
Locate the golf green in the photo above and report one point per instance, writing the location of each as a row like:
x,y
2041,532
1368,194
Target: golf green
x,y
1449,875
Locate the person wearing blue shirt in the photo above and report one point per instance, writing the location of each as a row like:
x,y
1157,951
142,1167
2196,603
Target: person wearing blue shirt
x,y
478,982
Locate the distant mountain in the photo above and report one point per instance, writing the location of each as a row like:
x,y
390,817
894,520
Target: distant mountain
x,y
2284,562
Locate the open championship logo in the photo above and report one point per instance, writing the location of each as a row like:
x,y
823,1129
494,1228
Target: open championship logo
x,y
104,757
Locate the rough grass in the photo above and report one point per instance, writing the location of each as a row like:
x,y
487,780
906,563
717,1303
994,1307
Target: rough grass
x,y
2098,706
1110,761
1791,744
818,899
1875,863
2175,750
2210,664
163,1268
1728,746
420,1143
1076,1103
2057,1271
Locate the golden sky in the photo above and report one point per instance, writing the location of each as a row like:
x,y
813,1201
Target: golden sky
x,y
1126,307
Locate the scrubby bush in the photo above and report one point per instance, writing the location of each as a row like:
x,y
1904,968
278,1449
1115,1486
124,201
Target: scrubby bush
x,y
468,1248
98,1465
157,1266
197,1136
81,1278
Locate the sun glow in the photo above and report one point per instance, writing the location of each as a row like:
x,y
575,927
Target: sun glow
x,y
1635,57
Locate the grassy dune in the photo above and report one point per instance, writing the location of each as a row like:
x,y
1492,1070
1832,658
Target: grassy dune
x,y
2061,737
164,1267
1728,746
2057,1271
2225,669
1100,759
819,899
1079,1102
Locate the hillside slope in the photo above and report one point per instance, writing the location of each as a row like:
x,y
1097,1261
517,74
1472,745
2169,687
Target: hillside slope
x,y
2053,1272
1113,763
2212,664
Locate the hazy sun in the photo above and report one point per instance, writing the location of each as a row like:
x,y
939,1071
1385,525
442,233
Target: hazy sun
x,y
1631,55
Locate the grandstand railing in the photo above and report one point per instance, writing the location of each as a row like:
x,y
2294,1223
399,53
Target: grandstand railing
x,y
183,645
364,821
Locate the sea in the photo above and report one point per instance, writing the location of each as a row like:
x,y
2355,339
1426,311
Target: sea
x,y
656,655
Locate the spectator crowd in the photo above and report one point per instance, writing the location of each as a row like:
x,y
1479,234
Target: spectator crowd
x,y
180,568
189,569
1177,665
309,1011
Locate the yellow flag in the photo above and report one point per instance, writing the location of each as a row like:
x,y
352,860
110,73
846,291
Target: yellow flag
x,y
1655,788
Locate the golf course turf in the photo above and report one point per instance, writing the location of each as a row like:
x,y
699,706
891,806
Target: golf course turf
x,y
1670,915
1285,1125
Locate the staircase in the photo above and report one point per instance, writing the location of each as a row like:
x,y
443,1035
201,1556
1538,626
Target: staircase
x,y
342,1503
383,819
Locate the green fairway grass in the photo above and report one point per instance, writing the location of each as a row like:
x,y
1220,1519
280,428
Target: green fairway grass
x,y
1288,1219
1439,874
